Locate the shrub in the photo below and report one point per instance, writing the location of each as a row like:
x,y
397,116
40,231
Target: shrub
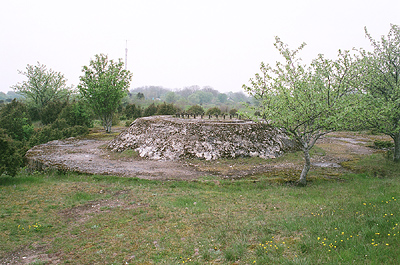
x,y
51,111
10,159
195,109
15,120
75,131
233,111
383,144
132,111
59,129
77,113
167,109
213,111
115,119
150,110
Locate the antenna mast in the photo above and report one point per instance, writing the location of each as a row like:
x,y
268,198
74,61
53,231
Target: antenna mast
x,y
126,55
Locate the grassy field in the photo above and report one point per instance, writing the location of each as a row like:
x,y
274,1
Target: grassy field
x,y
56,218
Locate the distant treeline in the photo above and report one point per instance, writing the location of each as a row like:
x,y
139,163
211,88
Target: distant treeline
x,y
183,98
8,97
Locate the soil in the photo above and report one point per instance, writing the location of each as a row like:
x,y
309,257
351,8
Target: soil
x,y
90,155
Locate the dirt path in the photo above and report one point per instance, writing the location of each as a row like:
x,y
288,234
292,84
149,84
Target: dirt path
x,y
90,156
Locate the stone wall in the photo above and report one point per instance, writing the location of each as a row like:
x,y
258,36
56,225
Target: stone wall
x,y
169,138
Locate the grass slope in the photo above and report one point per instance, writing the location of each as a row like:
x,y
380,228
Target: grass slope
x,y
80,219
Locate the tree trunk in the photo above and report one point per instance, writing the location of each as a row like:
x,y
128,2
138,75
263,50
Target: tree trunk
x,y
107,122
396,153
302,181
108,125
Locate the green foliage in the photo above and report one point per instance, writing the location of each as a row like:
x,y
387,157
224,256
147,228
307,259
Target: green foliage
x,y
195,109
51,111
379,87
171,97
43,86
233,111
77,113
15,120
10,157
140,96
103,86
132,111
306,101
206,96
167,109
222,97
383,144
213,111
150,110
200,97
60,129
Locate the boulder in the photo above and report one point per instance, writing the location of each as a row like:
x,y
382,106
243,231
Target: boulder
x,y
170,138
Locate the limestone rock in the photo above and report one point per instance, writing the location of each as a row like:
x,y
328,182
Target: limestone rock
x,y
169,138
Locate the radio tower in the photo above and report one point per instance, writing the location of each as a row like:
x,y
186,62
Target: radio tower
x,y
126,55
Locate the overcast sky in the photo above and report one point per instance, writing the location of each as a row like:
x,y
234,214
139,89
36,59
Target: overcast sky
x,y
178,43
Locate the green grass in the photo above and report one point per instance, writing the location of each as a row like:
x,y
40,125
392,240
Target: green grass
x,y
81,219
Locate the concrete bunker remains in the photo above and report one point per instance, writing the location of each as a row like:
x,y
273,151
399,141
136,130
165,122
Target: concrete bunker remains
x,y
170,138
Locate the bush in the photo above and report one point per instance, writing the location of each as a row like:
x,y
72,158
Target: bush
x,y
15,120
383,144
10,157
77,113
75,131
213,111
51,111
195,109
115,119
59,129
132,111
150,110
233,111
167,109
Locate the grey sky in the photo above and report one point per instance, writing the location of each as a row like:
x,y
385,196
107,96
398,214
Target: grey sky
x,y
178,43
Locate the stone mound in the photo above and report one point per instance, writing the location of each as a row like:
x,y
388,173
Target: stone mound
x,y
169,138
